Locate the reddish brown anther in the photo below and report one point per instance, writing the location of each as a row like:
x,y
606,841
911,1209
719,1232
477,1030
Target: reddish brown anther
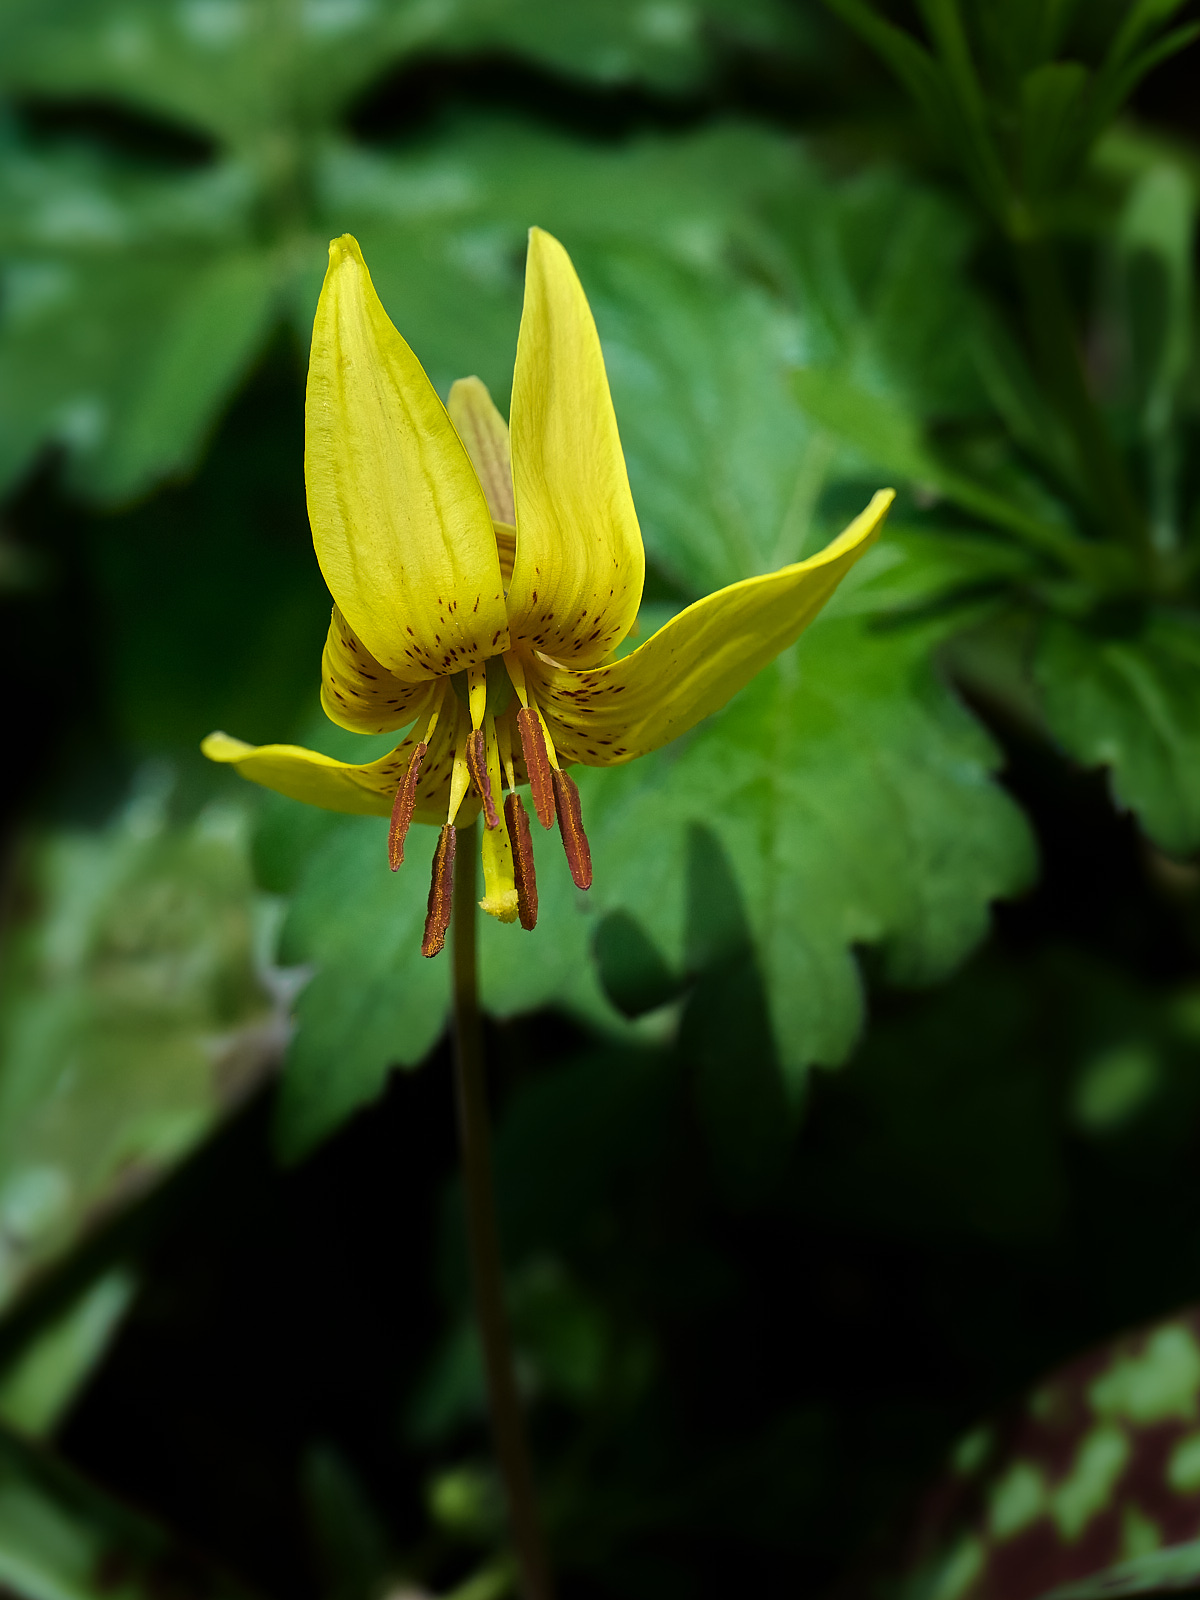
x,y
570,825
441,894
403,806
522,854
537,764
477,766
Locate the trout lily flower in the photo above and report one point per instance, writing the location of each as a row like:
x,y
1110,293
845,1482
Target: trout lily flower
x,y
482,585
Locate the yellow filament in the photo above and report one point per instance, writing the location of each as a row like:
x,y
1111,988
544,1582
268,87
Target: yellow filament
x,y
504,738
477,692
460,776
438,696
550,751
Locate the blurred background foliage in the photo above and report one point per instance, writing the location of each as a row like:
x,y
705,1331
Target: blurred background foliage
x,y
947,844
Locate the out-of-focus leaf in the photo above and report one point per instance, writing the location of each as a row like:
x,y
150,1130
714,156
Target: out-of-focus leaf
x,y
1052,126
217,327
1152,329
40,1383
348,1535
1131,702
133,304
253,71
61,1539
139,1007
123,323
1094,1481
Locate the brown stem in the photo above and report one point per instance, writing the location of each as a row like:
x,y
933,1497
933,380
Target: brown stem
x,y
508,1431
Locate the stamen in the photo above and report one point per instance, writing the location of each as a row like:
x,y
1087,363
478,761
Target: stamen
x,y
441,893
406,795
570,825
477,762
522,853
404,805
537,764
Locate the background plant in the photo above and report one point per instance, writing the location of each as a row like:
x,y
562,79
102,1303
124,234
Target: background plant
x,y
756,1304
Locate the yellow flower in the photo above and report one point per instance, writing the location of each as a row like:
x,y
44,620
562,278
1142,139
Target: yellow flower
x,y
479,595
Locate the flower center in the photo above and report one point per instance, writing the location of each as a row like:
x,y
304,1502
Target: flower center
x,y
488,730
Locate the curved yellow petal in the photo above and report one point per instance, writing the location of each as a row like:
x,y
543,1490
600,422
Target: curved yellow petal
x,y
366,790
357,692
698,661
577,582
484,434
399,520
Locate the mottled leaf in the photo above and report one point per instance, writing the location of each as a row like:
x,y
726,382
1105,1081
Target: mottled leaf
x,y
1091,1487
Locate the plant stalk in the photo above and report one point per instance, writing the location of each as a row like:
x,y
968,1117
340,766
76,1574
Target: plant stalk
x,y
508,1430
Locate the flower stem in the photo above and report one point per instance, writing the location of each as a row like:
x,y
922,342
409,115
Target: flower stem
x,y
508,1431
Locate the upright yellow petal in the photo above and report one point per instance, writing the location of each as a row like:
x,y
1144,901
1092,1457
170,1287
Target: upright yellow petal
x,y
577,582
399,520
484,433
698,661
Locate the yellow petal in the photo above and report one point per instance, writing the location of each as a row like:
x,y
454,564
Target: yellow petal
x,y
399,521
357,692
484,432
366,790
699,660
577,582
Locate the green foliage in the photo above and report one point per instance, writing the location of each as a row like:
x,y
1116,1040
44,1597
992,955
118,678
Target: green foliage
x,y
1019,122
687,1210
62,1540
140,1007
1131,702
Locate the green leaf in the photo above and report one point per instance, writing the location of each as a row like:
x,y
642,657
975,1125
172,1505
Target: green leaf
x,y
123,323
882,431
38,1386
374,1002
216,328
256,72
133,305
1131,702
1051,126
146,970
851,794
